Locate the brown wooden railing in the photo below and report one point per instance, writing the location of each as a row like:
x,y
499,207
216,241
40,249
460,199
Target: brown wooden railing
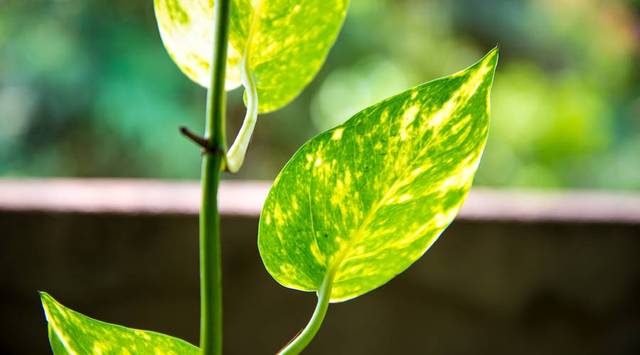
x,y
519,272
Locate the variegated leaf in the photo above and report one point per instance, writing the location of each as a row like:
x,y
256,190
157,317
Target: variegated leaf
x,y
286,41
366,199
73,333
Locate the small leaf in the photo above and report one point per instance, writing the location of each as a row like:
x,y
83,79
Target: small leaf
x,y
286,41
368,198
73,333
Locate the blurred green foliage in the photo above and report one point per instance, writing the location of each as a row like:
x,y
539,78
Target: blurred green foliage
x,y
86,88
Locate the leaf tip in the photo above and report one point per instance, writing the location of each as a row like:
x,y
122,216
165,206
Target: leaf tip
x,y
488,64
491,58
45,297
48,304
46,300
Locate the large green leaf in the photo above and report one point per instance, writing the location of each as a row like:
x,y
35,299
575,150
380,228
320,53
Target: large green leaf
x,y
369,197
73,333
286,41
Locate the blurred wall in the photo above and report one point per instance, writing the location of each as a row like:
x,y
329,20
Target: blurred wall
x,y
487,287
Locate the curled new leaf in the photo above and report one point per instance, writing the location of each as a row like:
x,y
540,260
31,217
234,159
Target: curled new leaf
x,y
365,200
73,333
285,42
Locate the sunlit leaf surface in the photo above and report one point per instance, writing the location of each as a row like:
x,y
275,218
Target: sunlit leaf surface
x,y
73,333
368,198
287,41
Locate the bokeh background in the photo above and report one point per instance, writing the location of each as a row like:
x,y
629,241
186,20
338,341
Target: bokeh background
x,y
87,90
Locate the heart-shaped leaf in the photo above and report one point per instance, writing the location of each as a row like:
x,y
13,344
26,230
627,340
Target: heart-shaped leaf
x,y
285,42
73,333
365,200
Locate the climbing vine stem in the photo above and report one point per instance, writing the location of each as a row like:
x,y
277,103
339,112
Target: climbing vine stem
x,y
210,253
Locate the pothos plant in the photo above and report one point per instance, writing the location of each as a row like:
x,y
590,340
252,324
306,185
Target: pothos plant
x,y
354,207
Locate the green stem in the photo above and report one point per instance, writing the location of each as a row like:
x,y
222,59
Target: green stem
x,y
210,255
303,339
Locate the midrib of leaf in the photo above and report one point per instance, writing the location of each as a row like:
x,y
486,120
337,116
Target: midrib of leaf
x,y
313,227
450,107
358,235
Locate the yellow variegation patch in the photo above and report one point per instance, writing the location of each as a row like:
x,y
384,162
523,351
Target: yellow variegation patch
x,y
285,41
186,29
72,333
366,199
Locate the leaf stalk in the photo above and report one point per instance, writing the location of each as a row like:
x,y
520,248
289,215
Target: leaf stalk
x,y
235,155
304,338
238,150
